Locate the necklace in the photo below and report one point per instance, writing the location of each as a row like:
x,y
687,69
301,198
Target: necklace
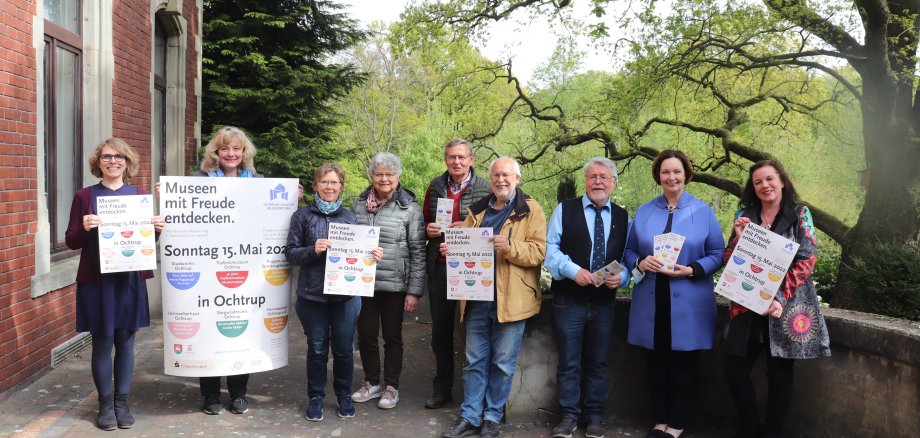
x,y
671,208
764,223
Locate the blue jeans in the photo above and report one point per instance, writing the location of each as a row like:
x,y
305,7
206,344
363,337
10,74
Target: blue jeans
x,y
492,349
582,328
328,324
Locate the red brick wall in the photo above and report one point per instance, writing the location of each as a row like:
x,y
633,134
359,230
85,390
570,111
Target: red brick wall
x,y
31,328
191,12
132,37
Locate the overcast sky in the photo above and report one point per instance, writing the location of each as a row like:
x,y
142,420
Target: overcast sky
x,y
528,44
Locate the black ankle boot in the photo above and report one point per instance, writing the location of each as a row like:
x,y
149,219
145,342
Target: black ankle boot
x,y
122,412
106,419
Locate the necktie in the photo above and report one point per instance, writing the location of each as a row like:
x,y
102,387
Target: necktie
x,y
597,261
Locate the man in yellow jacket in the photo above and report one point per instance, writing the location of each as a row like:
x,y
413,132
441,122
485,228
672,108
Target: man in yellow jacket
x,y
494,329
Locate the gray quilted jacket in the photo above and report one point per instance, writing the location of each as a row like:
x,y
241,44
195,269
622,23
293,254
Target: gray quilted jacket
x,y
402,237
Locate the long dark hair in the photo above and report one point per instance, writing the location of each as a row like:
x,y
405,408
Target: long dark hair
x,y
749,196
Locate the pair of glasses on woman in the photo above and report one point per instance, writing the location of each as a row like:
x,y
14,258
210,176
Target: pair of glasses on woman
x,y
118,158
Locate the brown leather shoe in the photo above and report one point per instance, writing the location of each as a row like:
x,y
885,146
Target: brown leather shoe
x,y
438,401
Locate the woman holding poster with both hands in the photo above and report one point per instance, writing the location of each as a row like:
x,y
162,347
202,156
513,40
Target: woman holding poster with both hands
x,y
793,327
111,306
229,154
328,320
673,312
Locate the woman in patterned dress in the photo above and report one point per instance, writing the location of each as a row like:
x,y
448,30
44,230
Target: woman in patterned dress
x,y
793,327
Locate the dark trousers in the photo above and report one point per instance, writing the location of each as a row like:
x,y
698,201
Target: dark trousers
x,y
779,390
443,314
102,366
672,374
672,377
383,312
236,385
329,325
583,330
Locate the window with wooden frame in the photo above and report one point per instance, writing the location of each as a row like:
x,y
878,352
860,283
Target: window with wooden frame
x,y
63,54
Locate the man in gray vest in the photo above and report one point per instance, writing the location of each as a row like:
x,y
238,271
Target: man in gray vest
x,y
461,184
585,234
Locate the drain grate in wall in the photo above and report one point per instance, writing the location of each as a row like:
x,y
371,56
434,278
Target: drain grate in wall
x,y
69,348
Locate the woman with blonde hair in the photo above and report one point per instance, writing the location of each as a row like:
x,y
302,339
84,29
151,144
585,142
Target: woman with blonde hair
x,y
111,306
229,153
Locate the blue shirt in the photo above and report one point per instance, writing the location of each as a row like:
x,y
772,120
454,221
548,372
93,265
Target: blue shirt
x,y
559,264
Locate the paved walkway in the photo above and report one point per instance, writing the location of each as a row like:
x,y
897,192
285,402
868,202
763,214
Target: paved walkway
x,y
63,402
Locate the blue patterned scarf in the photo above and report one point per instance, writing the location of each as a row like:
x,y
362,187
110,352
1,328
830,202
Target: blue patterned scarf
x,y
325,206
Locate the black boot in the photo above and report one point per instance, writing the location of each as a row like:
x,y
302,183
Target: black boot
x,y
106,419
122,412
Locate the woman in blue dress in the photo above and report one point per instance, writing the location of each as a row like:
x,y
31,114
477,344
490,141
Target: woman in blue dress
x,y
673,312
112,306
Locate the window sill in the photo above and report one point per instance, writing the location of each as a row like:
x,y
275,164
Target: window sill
x,y
63,273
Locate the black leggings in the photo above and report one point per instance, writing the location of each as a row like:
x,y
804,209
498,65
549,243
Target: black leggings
x,y
779,390
236,385
102,366
672,377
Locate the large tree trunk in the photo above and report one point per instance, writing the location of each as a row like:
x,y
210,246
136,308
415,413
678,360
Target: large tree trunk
x,y
891,213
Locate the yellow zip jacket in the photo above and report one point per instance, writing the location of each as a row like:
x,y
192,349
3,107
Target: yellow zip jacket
x,y
517,272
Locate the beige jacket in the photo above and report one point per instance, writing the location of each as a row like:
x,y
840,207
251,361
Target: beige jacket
x,y
517,272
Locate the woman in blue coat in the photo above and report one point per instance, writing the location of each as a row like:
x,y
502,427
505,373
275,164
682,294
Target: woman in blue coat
x,y
673,313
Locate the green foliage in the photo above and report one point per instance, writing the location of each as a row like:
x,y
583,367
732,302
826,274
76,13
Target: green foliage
x,y
267,70
825,273
888,278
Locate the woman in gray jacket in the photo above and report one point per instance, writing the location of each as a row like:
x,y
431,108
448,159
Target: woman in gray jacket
x,y
400,277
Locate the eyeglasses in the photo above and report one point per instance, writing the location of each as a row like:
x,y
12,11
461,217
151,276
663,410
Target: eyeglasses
x,y
119,158
384,175
456,157
500,175
329,183
601,177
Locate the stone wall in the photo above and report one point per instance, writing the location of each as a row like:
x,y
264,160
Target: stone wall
x,y
869,387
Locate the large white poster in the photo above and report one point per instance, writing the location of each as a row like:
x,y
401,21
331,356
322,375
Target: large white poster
x,y
756,268
126,236
470,264
350,266
225,281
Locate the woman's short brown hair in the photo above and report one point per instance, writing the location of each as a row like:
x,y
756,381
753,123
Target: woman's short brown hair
x,y
671,153
132,163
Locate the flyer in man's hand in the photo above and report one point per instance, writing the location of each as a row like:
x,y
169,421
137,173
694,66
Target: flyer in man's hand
x,y
614,268
445,213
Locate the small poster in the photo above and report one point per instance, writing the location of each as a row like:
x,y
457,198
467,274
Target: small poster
x,y
667,249
350,265
756,268
445,213
126,236
614,268
470,264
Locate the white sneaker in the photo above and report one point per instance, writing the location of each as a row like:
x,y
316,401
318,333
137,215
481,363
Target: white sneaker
x,y
389,399
366,392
